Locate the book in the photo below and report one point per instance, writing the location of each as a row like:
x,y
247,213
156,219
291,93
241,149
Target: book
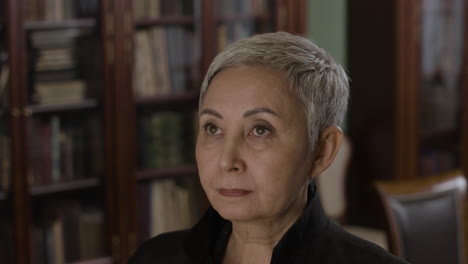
x,y
162,141
59,10
66,231
59,92
161,61
171,204
177,52
92,229
55,147
145,68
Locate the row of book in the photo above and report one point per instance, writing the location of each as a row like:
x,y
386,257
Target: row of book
x,y
244,7
437,161
167,205
165,139
58,10
166,61
64,149
67,231
229,33
151,9
61,66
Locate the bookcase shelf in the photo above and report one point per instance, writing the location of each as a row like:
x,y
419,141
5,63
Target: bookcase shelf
x,y
180,171
88,104
439,135
65,24
169,101
75,185
164,21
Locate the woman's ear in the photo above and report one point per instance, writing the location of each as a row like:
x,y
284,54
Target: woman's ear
x,y
327,146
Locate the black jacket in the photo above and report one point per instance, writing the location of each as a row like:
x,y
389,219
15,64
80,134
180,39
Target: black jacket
x,y
312,239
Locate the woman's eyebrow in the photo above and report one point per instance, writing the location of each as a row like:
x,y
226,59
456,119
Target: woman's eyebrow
x,y
208,111
260,110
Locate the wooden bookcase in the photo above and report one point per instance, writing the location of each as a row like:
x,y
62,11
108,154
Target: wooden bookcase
x,y
78,165
408,62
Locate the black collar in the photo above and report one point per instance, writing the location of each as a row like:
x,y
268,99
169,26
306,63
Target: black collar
x,y
207,241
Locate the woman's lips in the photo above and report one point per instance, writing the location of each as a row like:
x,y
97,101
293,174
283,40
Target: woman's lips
x,y
233,192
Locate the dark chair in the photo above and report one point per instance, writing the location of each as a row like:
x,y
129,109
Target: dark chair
x,y
426,218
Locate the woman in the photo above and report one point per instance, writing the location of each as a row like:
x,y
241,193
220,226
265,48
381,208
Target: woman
x,y
269,114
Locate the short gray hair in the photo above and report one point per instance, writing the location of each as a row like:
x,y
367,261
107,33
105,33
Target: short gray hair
x,y
321,84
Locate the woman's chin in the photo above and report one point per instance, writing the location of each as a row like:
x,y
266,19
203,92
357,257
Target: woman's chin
x,y
234,213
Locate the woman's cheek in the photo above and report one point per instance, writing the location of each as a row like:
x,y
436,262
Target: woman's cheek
x,y
260,143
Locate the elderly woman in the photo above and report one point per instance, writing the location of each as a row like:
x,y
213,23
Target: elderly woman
x,y
269,115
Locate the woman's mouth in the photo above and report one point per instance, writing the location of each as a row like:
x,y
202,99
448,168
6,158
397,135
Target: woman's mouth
x,y
233,192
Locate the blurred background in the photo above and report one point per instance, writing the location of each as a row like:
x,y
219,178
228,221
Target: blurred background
x,y
97,120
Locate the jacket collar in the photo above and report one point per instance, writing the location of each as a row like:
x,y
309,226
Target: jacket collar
x,y
208,239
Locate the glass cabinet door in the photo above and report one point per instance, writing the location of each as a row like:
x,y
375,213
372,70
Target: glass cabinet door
x,y
442,37
6,213
65,130
166,79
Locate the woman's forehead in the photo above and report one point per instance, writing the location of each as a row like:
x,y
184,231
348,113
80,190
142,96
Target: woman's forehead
x,y
244,88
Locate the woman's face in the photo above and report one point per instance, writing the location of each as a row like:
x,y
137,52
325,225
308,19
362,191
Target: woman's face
x,y
252,145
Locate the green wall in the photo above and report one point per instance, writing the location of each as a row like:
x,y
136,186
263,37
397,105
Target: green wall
x,y
326,26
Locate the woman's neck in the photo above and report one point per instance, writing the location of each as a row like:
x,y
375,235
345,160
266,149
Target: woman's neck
x,y
253,241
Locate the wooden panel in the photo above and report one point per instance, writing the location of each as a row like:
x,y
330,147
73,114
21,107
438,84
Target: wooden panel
x,y
17,64
209,40
112,219
406,106
372,127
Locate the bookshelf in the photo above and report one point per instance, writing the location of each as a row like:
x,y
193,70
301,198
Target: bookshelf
x,y
409,71
97,118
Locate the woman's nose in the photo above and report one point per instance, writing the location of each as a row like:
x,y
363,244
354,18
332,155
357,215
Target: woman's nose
x,y
231,159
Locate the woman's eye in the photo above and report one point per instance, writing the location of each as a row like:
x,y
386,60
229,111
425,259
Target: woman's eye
x,y
260,131
212,129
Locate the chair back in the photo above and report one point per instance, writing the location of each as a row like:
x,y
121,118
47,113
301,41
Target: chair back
x,y
426,218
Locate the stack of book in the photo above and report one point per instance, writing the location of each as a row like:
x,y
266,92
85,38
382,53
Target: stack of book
x,y
151,9
56,75
163,61
57,10
166,205
67,231
164,140
62,151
